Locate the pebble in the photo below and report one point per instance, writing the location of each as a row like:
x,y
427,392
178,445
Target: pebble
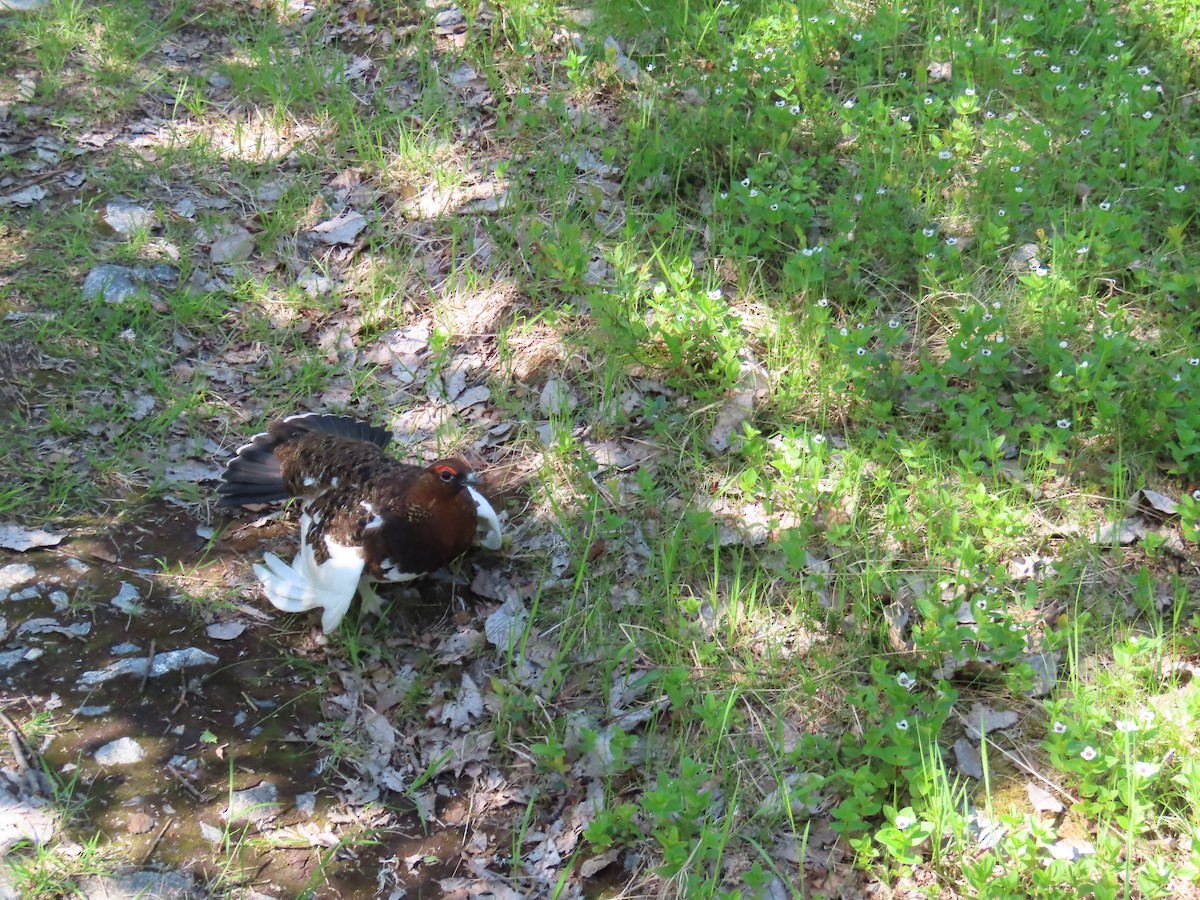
x,y
126,218
16,573
254,804
127,598
231,243
121,752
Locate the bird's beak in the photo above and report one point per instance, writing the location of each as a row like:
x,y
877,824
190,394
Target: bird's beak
x,y
470,479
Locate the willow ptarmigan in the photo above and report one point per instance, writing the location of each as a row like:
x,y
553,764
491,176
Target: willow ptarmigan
x,y
367,517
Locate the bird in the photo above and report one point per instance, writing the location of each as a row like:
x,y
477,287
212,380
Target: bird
x,y
367,517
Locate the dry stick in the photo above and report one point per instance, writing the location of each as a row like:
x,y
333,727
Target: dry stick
x,y
154,843
149,665
17,742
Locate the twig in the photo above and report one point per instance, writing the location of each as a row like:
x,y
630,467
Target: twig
x,y
149,666
154,843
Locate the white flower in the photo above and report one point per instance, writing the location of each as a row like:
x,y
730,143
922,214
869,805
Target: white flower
x,y
1062,345
945,154
844,331
746,181
1001,212
807,251
861,351
1105,205
857,36
1056,69
928,101
1064,423
794,109
985,352
928,232
987,317
951,241
893,323
1194,360
779,104
1143,769
1143,70
1059,728
904,821
823,302
714,294
970,92
1089,753
902,724
753,192
880,191
1180,188
1147,115
1084,132
1126,725
774,207
1082,251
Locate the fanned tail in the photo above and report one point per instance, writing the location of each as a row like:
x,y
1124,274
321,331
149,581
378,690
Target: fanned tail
x,y
254,475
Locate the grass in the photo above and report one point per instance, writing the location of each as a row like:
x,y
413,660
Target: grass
x,y
895,303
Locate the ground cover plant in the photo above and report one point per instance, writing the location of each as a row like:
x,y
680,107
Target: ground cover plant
x,y
833,364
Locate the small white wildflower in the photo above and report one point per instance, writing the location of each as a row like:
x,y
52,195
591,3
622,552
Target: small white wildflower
x,y
1143,70
944,154
861,351
780,104
1001,212
1055,69
929,101
857,36
794,109
714,294
1064,423
1062,345
1194,360
1143,769
807,251
951,242
902,724
985,352
1089,753
746,181
880,191
774,207
893,323
904,821
1126,725
1059,728
1105,205
823,302
753,192
1180,188
1147,115
1082,251
844,331
928,232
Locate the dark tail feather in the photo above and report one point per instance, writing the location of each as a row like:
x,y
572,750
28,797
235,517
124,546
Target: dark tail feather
x,y
254,475
342,426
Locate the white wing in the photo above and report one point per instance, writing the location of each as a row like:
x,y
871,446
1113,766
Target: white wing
x,y
489,523
305,585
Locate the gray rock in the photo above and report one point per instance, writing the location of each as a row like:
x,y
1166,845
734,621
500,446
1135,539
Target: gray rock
x,y
231,243
341,229
157,885
116,284
121,752
256,804
16,573
127,598
126,218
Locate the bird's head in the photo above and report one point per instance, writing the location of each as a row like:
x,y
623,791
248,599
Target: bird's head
x,y
453,473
